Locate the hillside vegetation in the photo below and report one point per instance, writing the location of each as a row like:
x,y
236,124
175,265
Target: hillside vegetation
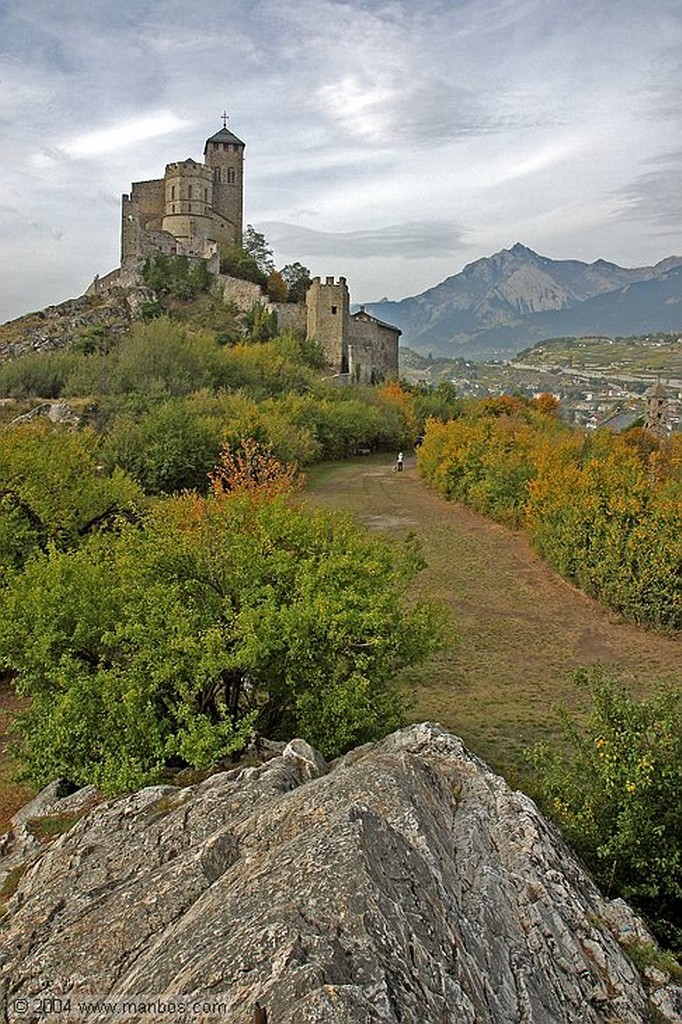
x,y
164,592
160,595
657,353
603,509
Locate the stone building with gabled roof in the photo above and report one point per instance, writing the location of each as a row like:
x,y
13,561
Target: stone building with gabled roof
x,y
359,348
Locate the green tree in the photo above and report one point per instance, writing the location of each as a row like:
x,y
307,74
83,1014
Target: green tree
x,y
169,448
260,322
616,790
54,490
297,278
236,262
171,641
176,276
255,245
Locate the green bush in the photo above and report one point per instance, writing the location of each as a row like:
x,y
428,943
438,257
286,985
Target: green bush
x,y
176,276
173,640
236,262
53,490
616,790
605,511
165,358
168,449
39,375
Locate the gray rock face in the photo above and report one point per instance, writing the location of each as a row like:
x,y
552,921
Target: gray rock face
x,y
51,329
403,883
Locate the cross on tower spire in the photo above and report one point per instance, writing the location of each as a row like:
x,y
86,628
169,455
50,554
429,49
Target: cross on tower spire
x,y
225,118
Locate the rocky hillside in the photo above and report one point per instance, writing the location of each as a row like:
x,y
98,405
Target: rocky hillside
x,y
53,328
505,302
404,882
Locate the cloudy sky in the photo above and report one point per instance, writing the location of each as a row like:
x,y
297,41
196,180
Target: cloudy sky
x,y
392,142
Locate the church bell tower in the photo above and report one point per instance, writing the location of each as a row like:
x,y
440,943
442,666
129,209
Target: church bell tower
x,y
224,154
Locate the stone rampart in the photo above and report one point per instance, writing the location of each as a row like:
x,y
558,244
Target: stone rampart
x,y
242,293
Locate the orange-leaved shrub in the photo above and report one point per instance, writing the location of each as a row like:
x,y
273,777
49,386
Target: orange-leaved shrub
x,y
605,510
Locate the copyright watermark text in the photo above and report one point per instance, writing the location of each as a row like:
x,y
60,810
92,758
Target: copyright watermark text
x,y
174,1009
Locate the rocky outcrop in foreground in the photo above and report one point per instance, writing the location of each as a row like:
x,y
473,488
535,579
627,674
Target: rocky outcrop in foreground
x,y
403,883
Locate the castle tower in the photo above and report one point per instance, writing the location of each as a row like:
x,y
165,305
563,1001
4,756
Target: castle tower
x,y
657,410
188,198
328,307
224,154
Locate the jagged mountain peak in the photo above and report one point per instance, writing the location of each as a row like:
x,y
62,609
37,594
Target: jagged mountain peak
x,y
499,304
503,257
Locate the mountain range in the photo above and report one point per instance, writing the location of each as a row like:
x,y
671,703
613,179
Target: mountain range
x,y
500,304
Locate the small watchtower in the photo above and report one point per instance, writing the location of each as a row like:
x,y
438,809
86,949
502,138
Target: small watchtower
x,y
328,307
224,154
657,410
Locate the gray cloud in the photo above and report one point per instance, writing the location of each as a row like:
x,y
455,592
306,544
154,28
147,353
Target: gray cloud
x,y
657,195
522,119
411,240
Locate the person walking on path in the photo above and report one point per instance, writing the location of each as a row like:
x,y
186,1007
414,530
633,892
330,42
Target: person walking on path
x,y
399,462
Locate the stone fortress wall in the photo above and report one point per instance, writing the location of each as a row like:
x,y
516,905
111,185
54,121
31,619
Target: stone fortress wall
x,y
362,349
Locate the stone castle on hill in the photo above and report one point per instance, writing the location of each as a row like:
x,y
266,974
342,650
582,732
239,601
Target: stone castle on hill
x,y
192,210
198,207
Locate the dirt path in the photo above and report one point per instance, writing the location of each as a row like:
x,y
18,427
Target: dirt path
x,y
518,628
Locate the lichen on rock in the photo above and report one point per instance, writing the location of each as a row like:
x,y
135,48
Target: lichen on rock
x,y
403,882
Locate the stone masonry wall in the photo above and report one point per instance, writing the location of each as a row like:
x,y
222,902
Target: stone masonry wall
x,y
242,293
373,350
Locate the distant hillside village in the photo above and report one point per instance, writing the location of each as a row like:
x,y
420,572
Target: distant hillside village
x,y
599,382
197,208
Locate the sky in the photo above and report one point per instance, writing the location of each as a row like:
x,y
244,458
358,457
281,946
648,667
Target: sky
x,y
389,142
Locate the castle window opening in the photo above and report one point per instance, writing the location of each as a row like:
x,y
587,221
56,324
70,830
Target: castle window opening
x,y
231,176
190,207
189,193
334,310
172,191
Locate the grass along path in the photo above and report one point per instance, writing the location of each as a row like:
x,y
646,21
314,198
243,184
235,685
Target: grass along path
x,y
518,628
